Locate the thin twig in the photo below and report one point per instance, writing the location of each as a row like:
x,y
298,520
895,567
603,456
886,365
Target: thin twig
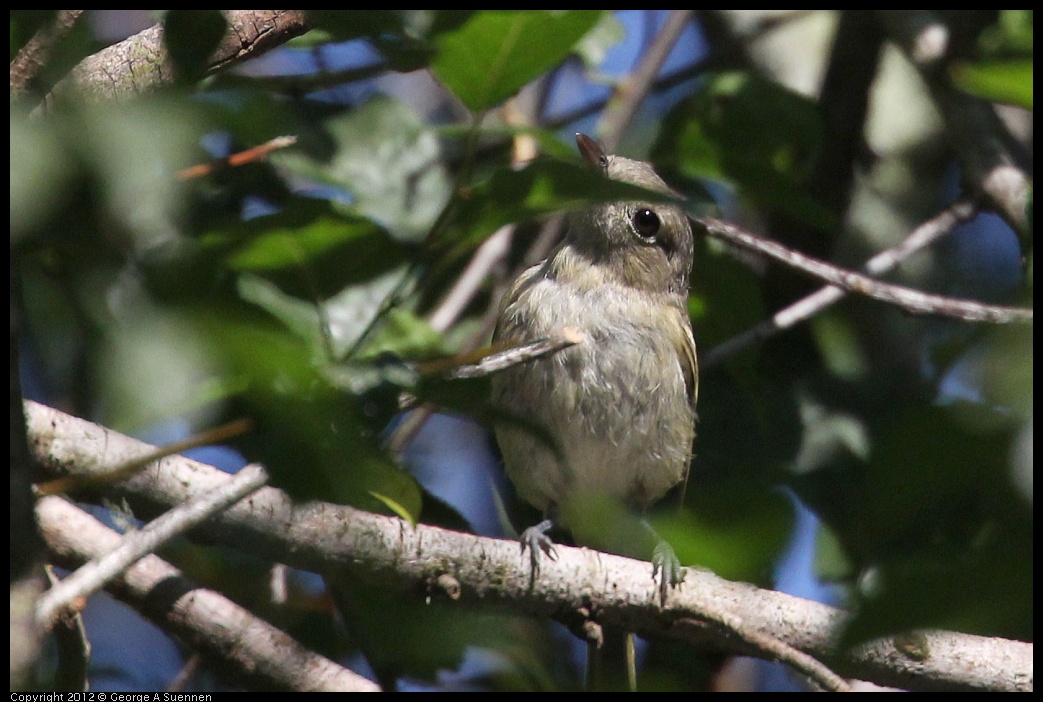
x,y
805,308
94,575
489,255
71,645
910,300
203,619
72,483
770,647
632,90
240,158
501,359
472,364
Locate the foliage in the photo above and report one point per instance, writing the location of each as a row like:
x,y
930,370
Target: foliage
x,y
297,290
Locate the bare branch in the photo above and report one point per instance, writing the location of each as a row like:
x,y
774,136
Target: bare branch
x,y
502,358
635,87
908,299
884,262
490,572
202,618
95,575
240,158
775,649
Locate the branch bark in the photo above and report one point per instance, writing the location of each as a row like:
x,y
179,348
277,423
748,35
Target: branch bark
x,y
202,618
823,298
580,585
908,299
140,64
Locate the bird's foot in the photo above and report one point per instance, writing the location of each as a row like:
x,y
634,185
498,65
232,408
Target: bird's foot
x,y
535,539
666,564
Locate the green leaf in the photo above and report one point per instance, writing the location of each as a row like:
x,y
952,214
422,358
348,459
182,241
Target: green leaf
x,y
1008,82
751,132
397,508
405,335
311,248
388,160
736,530
496,52
311,434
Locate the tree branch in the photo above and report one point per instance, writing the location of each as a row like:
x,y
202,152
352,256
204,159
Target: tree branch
x,y
202,618
482,572
975,132
140,64
825,297
31,58
135,545
630,93
908,299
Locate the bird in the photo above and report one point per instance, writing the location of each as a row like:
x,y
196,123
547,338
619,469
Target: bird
x,y
614,415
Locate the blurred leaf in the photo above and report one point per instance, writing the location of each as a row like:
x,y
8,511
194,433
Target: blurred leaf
x,y
403,334
310,248
347,25
388,160
404,37
311,435
934,521
191,36
121,158
982,590
595,44
603,523
41,172
397,509
496,52
838,341
542,187
301,317
997,81
1011,35
407,636
729,296
151,368
749,131
736,530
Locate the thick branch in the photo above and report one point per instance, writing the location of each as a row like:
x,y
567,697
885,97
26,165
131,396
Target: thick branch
x,y
481,572
140,64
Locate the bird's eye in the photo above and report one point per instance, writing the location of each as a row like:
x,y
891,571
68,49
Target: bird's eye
x,y
646,223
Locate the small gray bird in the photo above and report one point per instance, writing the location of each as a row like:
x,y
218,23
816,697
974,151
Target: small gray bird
x,y
615,414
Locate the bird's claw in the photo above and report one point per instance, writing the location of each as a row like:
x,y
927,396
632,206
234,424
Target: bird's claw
x,y
666,564
535,539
